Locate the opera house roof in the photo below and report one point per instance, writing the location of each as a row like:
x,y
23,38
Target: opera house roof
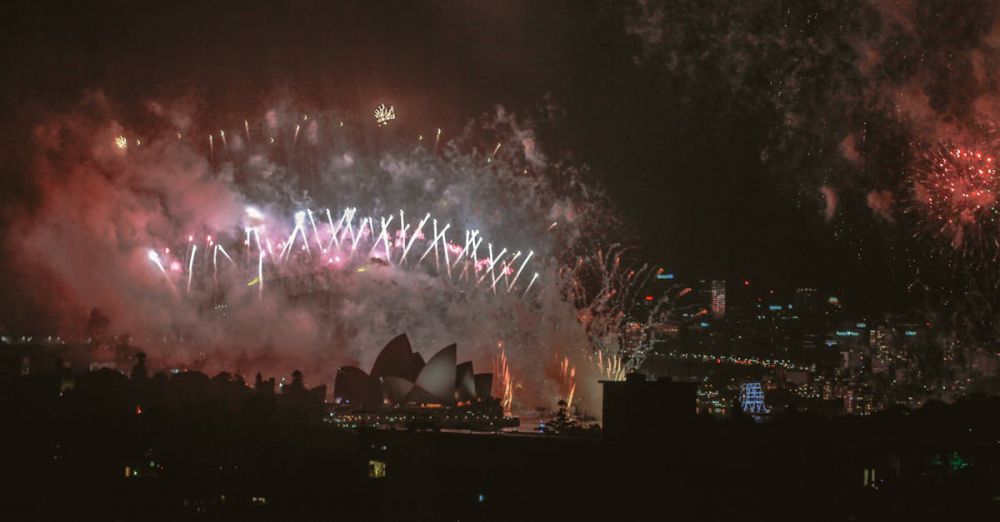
x,y
400,377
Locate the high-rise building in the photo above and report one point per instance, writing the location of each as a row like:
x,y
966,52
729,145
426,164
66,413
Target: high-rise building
x,y
632,336
880,341
807,303
808,309
719,298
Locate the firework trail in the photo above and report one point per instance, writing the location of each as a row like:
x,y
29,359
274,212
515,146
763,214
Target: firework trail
x,y
611,365
606,294
533,279
504,383
293,261
567,377
494,153
154,258
194,249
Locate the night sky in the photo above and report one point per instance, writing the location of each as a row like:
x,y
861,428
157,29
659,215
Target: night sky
x,y
681,157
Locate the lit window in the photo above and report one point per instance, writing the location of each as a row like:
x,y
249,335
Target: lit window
x,y
376,469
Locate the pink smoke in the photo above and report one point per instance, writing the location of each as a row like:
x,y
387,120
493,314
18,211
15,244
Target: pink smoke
x,y
881,203
830,199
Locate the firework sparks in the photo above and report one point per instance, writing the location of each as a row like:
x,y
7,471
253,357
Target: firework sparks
x,y
955,192
533,279
393,241
611,366
121,142
519,270
567,377
606,293
194,249
494,153
505,388
383,114
154,257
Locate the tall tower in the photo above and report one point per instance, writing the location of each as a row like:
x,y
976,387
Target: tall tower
x,y
719,298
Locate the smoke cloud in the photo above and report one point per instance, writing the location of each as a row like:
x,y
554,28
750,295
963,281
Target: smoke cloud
x,y
116,198
854,97
849,92
830,198
881,202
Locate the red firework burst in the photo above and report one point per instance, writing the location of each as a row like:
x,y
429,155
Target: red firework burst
x,y
955,192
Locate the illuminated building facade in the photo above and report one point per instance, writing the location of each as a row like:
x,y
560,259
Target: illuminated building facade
x,y
718,298
752,398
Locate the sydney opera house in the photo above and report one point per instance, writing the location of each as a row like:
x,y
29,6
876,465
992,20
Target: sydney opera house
x,y
404,391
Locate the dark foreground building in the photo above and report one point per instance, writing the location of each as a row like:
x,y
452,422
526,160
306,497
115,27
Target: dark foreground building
x,y
637,407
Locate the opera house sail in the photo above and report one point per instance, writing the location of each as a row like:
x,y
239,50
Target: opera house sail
x,y
403,391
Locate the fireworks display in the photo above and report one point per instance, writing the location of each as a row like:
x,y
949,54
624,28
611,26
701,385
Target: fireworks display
x,y
503,384
349,243
567,379
293,245
878,120
955,194
383,115
466,260
607,293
